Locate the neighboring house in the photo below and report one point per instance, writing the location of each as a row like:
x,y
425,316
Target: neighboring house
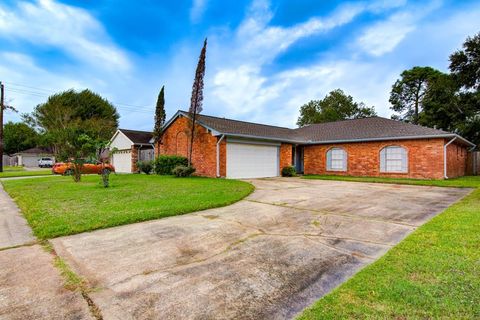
x,y
30,157
372,146
131,146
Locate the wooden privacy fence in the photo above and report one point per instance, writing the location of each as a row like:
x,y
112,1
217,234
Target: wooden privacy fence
x,y
473,163
10,161
146,155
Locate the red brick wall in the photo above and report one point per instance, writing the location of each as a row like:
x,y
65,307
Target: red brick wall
x,y
223,158
134,159
456,160
176,140
285,155
425,158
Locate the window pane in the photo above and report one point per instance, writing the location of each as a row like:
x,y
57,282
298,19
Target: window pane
x,y
395,159
337,164
336,159
337,154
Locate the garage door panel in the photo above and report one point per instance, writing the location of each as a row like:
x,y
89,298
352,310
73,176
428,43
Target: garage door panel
x,y
122,161
251,160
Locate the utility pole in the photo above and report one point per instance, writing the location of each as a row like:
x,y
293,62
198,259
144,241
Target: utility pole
x,y
2,108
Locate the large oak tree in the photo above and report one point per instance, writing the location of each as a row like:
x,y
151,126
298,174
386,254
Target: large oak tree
x,y
409,91
335,106
73,122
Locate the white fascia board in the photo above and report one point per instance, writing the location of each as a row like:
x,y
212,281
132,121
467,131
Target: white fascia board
x,y
387,139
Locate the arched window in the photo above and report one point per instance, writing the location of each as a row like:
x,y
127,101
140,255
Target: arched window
x,y
336,159
394,159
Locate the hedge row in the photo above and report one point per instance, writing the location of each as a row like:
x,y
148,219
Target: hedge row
x,y
164,165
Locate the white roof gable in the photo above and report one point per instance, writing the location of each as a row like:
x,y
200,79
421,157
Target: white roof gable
x,y
120,141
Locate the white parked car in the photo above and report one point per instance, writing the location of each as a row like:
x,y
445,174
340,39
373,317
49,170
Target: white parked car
x,y
45,162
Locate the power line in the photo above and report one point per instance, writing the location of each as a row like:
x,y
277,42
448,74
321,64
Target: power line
x,y
30,87
130,109
47,93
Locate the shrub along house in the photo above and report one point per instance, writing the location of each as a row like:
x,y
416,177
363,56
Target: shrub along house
x,y
131,146
362,147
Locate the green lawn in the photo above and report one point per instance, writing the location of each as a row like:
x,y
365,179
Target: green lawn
x,y
434,273
9,171
63,207
462,182
13,168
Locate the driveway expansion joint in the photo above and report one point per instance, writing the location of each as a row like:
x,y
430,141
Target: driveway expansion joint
x,y
330,213
84,288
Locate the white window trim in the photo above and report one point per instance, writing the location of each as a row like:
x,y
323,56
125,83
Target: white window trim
x,y
384,149
344,160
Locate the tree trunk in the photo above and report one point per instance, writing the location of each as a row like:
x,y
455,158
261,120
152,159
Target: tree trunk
x,y
192,136
77,172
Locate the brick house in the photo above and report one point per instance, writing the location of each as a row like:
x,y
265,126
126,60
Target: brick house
x,y
372,146
131,146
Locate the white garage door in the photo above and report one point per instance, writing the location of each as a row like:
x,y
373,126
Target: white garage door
x,y
122,161
251,161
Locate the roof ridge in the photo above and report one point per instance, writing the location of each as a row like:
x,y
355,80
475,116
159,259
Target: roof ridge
x,y
249,122
131,130
343,120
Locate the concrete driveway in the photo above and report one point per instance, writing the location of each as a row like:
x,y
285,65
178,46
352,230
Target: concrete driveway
x,y
266,257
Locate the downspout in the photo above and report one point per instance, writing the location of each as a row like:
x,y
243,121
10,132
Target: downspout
x,y
445,157
218,155
153,146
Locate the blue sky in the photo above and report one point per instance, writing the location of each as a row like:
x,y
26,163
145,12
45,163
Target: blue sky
x,y
264,58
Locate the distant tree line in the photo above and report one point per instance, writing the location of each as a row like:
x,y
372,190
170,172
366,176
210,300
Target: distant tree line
x,y
448,101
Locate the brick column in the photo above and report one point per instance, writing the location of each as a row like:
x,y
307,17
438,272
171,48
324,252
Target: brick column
x,y
285,155
134,159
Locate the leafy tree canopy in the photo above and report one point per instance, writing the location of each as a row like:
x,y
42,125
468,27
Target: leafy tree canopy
x,y
409,91
465,64
335,106
68,115
18,137
451,102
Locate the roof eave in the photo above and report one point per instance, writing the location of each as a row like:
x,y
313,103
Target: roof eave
x,y
448,135
260,137
143,144
216,132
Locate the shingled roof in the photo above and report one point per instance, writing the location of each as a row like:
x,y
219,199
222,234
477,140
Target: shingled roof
x,y
235,127
364,129
138,137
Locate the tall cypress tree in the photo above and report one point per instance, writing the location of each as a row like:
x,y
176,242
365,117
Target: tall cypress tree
x,y
159,116
197,96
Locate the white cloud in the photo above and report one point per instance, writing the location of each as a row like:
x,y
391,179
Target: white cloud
x,y
244,86
386,35
240,82
197,10
69,29
256,40
245,91
19,68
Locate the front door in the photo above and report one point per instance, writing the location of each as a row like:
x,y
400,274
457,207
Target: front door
x,y
299,159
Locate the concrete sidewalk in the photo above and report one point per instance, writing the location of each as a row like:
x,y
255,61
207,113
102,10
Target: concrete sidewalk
x,y
14,230
30,285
